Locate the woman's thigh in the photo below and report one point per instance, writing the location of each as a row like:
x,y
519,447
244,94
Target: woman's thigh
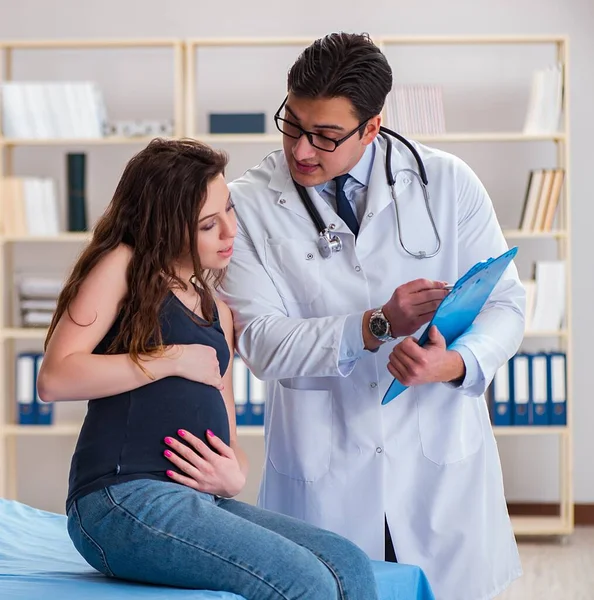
x,y
349,564
164,533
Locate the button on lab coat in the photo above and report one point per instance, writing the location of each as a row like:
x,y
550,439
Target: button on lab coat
x,y
335,457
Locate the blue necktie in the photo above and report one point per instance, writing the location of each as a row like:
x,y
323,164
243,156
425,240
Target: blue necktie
x,y
343,206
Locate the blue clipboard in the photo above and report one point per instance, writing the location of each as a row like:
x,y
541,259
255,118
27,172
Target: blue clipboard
x,y
459,308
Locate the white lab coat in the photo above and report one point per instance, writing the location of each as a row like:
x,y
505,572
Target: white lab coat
x,y
335,457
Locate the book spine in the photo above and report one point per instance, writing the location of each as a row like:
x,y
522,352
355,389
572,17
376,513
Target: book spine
x,y
77,213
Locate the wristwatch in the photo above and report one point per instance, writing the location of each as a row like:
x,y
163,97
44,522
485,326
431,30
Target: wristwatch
x,y
380,326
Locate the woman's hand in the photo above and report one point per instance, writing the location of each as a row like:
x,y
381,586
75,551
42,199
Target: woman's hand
x,y
214,472
198,362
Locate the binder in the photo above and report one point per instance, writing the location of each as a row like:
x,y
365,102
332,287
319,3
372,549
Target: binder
x,y
25,388
501,394
522,390
45,410
257,400
240,390
557,388
539,410
460,307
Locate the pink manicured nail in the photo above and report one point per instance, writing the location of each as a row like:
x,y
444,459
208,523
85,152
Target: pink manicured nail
x,y
210,433
167,453
181,432
170,473
168,440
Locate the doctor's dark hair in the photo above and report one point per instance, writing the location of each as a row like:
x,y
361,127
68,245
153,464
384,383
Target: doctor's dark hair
x,y
154,212
345,65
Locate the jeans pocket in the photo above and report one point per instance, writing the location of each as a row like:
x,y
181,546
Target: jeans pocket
x,y
86,546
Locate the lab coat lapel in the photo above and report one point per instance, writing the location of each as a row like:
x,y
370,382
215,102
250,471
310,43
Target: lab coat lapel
x,y
289,199
379,195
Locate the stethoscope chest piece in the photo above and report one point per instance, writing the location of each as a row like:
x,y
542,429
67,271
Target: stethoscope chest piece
x,y
328,244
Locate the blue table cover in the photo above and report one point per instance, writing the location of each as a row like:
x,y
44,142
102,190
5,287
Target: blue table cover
x,y
38,560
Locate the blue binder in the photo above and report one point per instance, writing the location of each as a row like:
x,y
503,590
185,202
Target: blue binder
x,y
539,396
557,388
522,381
502,396
460,307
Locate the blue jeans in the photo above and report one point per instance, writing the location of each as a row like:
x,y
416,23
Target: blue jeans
x,y
165,533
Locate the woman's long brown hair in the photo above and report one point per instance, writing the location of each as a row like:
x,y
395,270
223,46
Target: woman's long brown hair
x,y
155,212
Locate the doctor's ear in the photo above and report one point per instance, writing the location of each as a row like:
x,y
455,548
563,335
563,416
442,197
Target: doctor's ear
x,y
371,130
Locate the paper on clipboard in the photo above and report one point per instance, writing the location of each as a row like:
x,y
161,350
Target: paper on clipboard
x,y
459,308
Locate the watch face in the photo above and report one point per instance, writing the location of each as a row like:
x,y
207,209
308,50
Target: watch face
x,y
378,326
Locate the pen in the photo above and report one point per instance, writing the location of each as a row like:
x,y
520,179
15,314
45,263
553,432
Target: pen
x,y
449,286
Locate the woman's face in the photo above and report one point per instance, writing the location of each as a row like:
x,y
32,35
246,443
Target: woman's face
x,y
217,226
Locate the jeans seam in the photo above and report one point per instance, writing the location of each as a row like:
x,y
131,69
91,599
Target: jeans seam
x,y
334,573
91,540
249,570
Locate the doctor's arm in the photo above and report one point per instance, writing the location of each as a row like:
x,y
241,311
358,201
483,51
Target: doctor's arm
x,y
497,332
274,345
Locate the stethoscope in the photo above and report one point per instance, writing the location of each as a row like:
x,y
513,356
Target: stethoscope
x,y
329,243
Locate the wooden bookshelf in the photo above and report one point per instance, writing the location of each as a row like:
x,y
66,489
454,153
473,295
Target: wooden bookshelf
x,y
184,110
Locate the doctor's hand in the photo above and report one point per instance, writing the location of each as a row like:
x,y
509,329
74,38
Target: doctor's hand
x,y
213,470
412,364
413,304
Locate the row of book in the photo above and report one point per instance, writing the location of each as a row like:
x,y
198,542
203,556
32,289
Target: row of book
x,y
415,109
546,297
48,110
543,194
530,389
249,392
29,206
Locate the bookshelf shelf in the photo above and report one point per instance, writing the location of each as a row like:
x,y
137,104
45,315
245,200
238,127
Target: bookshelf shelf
x,y
100,141
62,237
270,138
517,234
184,98
23,333
560,333
531,430
538,525
69,429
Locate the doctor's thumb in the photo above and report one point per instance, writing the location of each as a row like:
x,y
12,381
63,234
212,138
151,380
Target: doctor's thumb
x,y
435,336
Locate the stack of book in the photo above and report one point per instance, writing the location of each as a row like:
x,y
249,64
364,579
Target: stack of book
x,y
37,299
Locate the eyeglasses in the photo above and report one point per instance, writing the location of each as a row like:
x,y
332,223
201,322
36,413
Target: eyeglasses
x,y
317,140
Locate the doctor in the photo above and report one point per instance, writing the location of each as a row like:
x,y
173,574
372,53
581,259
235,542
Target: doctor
x,y
329,334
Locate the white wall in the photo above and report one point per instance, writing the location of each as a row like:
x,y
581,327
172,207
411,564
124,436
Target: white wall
x,y
486,87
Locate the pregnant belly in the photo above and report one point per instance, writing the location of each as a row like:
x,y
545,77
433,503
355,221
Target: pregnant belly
x,y
157,411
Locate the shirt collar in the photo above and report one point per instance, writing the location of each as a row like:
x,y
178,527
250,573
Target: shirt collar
x,y
361,171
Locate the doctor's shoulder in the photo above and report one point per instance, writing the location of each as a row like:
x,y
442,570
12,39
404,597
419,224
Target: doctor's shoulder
x,y
256,180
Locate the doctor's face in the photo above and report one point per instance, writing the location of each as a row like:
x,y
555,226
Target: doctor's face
x,y
332,118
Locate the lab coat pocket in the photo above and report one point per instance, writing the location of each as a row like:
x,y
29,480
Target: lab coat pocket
x,y
300,442
295,268
449,424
